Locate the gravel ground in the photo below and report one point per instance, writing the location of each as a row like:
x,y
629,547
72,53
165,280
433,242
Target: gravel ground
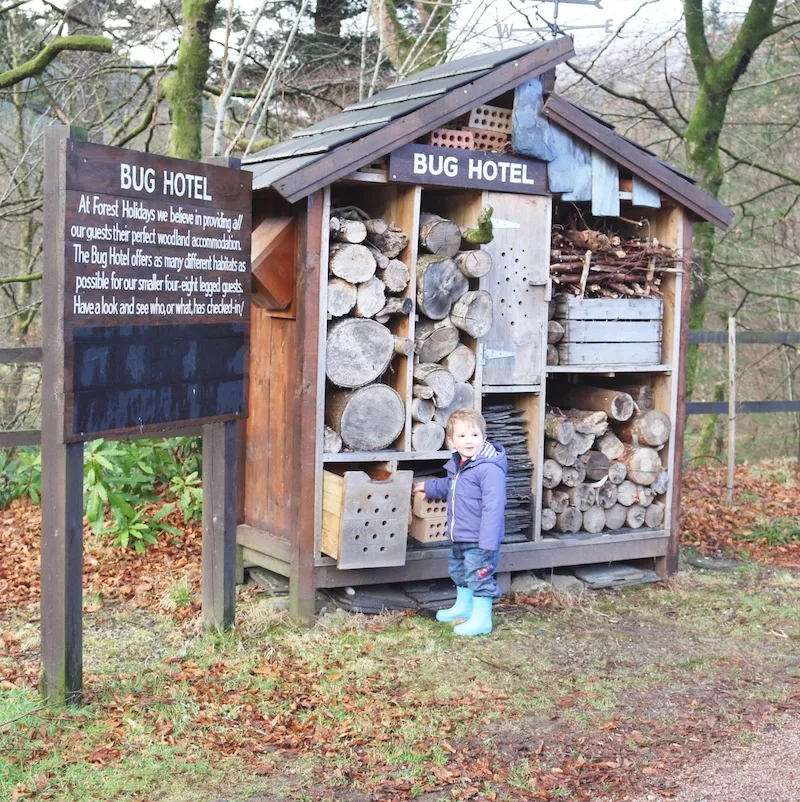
x,y
766,771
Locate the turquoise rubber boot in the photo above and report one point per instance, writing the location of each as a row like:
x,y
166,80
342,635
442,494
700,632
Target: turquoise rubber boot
x,y
461,609
480,622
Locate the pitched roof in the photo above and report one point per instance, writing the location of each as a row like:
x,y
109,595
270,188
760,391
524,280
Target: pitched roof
x,y
367,130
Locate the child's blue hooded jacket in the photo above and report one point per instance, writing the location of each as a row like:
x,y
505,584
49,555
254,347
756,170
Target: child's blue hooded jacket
x,y
476,497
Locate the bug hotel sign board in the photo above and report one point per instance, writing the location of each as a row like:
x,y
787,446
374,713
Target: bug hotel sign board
x,y
474,169
155,291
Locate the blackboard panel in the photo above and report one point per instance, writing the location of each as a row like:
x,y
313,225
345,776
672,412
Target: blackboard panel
x,y
134,376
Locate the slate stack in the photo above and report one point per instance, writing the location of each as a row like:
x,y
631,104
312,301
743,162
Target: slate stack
x,y
506,425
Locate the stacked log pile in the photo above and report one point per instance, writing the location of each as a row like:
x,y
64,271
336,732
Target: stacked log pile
x,y
448,312
367,290
592,264
602,467
506,425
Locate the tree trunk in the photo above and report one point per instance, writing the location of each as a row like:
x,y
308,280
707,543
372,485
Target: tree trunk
x,y
371,298
627,493
661,482
390,243
474,264
617,405
548,520
472,313
427,436
569,521
650,428
654,515
558,427
555,331
551,473
607,495
357,352
438,235
395,275
332,443
368,419
582,496
350,231
561,453
596,465
573,475
422,409
610,445
439,285
587,422
594,519
460,362
556,500
615,516
582,442
617,473
439,380
435,339
353,263
635,517
342,297
463,397
643,464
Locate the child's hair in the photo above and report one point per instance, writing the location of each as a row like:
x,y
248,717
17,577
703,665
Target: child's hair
x,y
467,415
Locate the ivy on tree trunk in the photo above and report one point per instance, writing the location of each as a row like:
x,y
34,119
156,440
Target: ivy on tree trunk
x,y
184,87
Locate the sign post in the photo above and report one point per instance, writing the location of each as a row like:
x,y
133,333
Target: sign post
x,y
146,328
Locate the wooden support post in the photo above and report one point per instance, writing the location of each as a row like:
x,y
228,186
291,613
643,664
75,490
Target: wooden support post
x,y
219,524
302,588
62,464
731,406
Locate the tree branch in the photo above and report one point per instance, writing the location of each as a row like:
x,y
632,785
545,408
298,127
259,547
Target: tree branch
x,y
696,37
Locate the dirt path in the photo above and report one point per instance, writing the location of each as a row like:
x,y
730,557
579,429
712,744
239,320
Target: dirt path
x,y
767,770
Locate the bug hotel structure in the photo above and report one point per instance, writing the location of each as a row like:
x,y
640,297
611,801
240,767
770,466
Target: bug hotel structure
x,y
464,238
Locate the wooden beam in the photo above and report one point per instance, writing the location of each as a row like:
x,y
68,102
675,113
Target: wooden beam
x,y
10,356
62,464
399,132
625,153
301,580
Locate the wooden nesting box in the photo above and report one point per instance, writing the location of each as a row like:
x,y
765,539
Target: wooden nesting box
x,y
389,301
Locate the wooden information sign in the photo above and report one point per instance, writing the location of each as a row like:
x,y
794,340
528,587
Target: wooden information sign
x,y
473,169
156,291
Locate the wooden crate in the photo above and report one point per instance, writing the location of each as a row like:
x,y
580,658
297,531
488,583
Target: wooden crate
x,y
609,331
452,138
429,530
365,521
490,118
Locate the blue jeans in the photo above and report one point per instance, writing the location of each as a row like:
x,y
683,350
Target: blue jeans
x,y
474,568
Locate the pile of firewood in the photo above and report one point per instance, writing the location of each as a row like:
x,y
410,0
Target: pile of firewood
x,y
367,288
591,264
603,468
446,308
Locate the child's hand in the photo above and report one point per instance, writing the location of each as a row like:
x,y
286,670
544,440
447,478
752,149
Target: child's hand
x,y
418,487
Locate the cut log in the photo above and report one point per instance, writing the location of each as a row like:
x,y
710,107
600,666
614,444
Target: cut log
x,y
556,500
642,395
439,285
438,235
474,264
635,517
422,409
573,475
654,515
555,331
558,427
596,465
610,445
341,297
627,493
357,352
472,313
422,391
582,496
427,436
548,520
435,339
607,495
439,380
352,231
617,473
552,355
551,473
460,362
644,495
582,442
376,226
569,521
353,263
371,298
403,346
381,260
615,516
367,419
395,275
594,519
617,405
588,422
463,397
649,428
643,464
331,442
661,482
395,306
391,242
563,454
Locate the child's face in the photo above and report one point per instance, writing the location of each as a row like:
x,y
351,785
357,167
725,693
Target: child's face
x,y
467,439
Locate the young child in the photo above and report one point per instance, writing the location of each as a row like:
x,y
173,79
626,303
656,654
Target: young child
x,y
475,489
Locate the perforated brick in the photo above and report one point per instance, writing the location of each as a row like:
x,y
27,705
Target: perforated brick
x,y
490,118
451,138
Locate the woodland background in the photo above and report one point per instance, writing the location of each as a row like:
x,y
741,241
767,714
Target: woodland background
x,y
714,93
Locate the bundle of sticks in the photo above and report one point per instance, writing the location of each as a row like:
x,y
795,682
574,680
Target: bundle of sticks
x,y
592,264
603,468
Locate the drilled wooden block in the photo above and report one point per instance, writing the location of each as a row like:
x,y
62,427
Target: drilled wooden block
x,y
490,118
429,530
365,522
489,140
428,508
451,138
